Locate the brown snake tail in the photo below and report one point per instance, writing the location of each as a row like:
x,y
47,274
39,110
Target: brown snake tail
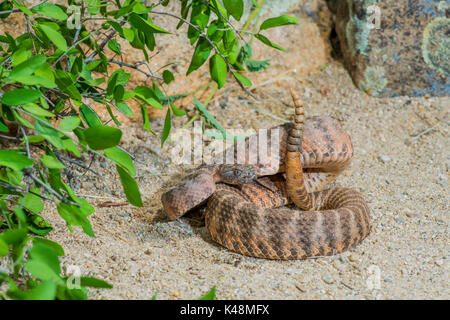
x,y
252,219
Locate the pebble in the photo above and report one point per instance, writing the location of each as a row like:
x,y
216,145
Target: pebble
x,y
384,158
439,262
327,279
353,257
134,270
400,219
388,279
412,214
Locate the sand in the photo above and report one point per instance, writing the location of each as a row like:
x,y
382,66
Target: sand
x,y
400,165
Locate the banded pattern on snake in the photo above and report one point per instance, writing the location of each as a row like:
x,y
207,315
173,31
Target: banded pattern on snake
x,y
251,218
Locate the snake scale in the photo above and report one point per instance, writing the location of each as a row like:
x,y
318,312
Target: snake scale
x,y
252,217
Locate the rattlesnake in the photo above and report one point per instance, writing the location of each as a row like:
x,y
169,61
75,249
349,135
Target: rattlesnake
x,y
250,216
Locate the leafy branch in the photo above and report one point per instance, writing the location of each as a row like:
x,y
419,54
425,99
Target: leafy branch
x,y
49,76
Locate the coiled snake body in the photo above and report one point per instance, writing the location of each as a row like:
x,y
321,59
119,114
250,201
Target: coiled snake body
x,y
250,217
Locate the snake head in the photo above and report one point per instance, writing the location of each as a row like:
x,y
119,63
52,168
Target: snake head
x,y
237,174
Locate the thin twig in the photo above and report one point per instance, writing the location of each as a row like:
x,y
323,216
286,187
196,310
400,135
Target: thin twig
x,y
417,136
6,61
30,32
203,35
271,115
26,141
18,10
9,138
73,46
229,22
103,44
46,187
81,165
21,190
112,233
135,67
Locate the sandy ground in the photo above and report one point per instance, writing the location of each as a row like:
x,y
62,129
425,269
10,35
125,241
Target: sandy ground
x,y
400,165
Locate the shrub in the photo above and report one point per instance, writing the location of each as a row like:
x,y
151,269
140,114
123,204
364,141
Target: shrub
x,y
48,77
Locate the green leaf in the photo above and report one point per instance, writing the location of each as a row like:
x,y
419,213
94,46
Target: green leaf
x,y
218,70
36,81
126,110
165,100
76,216
70,146
122,158
278,21
143,25
14,236
36,110
235,8
4,249
93,64
32,202
49,133
5,6
245,81
45,71
35,139
55,37
45,290
59,251
148,96
38,225
20,96
201,54
66,84
41,270
51,162
111,84
128,34
89,116
94,283
211,295
256,65
3,126
122,77
221,9
168,76
21,55
27,67
176,111
119,91
208,118
145,118
69,123
101,137
114,46
267,42
94,7
167,126
14,160
20,214
23,8
46,254
50,10
18,118
130,187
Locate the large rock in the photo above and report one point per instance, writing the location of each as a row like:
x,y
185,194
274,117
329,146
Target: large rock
x,y
407,55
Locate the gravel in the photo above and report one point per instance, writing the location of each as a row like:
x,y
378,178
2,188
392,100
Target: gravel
x,y
405,256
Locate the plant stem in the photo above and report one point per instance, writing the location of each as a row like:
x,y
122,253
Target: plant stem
x,y
211,94
253,14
